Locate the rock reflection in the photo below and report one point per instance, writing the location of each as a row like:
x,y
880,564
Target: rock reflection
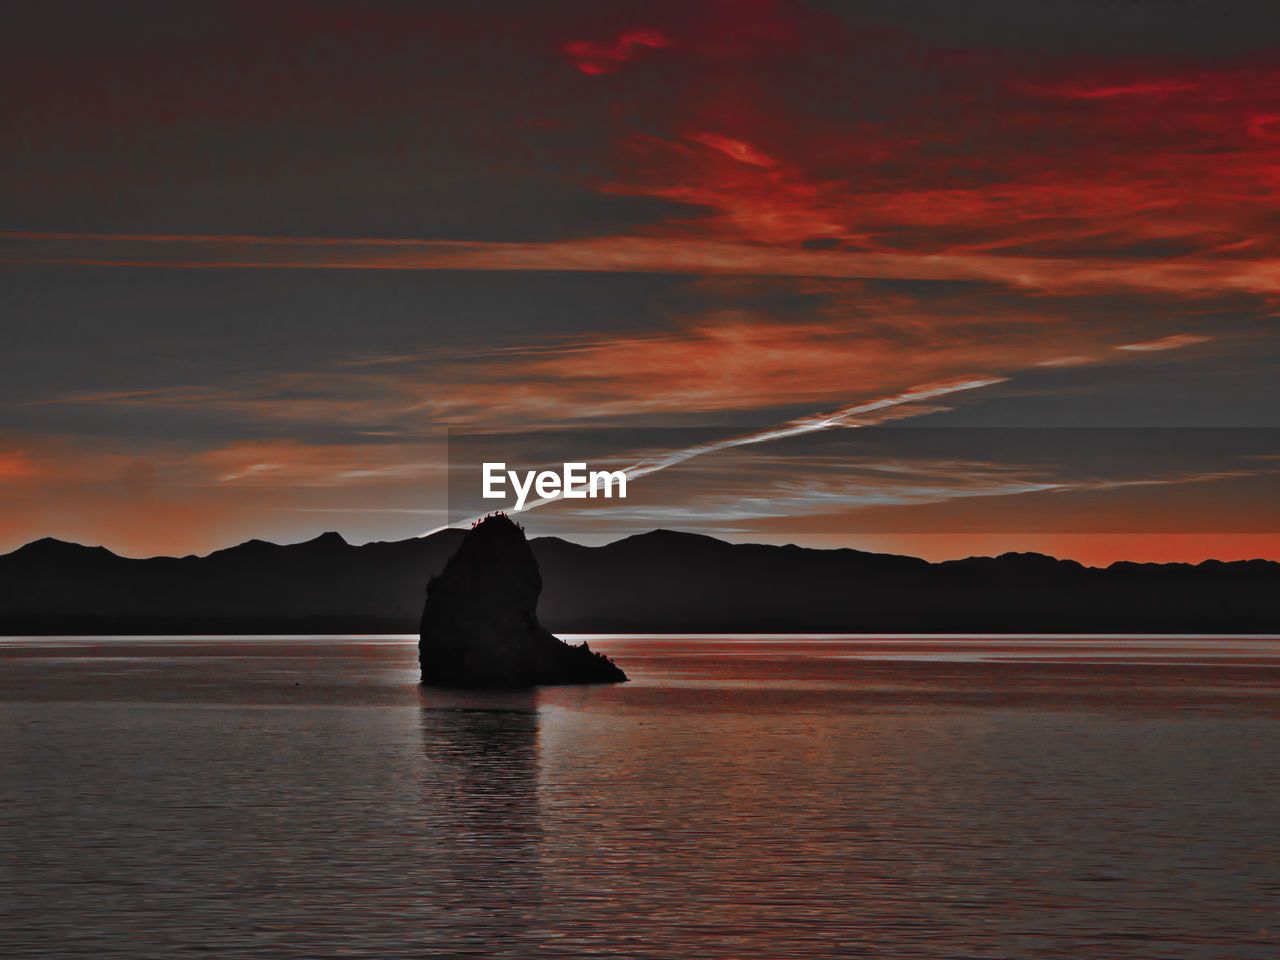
x,y
481,789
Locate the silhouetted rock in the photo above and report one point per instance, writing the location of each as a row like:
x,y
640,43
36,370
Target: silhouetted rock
x,y
480,626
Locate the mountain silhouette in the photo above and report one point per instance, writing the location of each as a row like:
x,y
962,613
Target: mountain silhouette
x,y
661,581
480,624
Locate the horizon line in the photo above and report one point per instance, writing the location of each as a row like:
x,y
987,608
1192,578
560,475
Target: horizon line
x,y
330,534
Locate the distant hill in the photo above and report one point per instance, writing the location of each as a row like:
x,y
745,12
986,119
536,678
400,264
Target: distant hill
x,y
659,582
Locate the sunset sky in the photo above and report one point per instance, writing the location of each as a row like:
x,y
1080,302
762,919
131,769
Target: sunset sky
x,y
259,260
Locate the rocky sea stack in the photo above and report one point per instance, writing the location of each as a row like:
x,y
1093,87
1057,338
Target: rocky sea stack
x,y
480,626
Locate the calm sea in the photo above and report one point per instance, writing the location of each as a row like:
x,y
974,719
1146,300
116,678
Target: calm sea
x,y
773,798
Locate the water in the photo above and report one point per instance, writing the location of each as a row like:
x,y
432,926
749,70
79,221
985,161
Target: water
x,y
871,797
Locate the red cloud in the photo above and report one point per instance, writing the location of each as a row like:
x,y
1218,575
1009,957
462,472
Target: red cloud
x,y
594,58
742,152
1140,88
790,144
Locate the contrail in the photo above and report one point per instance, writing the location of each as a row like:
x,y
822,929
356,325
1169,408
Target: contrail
x,y
858,415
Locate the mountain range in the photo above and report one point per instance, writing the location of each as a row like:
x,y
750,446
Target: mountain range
x,y
659,582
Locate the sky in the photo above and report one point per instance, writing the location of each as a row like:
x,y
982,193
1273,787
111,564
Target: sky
x,y
919,277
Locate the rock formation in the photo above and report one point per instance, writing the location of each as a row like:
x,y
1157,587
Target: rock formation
x,y
480,625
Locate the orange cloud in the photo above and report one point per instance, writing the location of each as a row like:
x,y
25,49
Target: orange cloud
x,y
17,465
865,346
1172,342
289,463
666,255
166,498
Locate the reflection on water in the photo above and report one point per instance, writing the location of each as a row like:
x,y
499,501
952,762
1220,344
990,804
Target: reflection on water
x,y
896,798
481,795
